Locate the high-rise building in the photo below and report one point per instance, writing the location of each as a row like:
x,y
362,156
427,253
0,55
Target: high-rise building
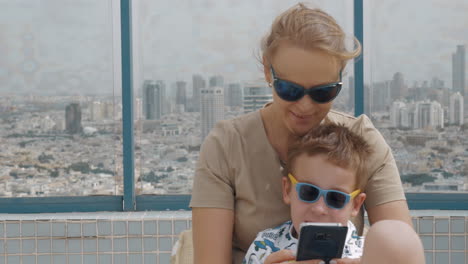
x,y
154,94
95,109
217,81
416,93
398,86
458,74
399,115
437,83
417,115
198,83
108,110
233,96
211,108
441,95
100,110
458,70
256,95
456,109
181,96
381,96
430,115
73,118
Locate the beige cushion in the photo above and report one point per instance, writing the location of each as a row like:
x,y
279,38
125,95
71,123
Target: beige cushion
x,y
182,252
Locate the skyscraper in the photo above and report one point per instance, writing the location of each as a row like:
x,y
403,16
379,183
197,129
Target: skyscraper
x,y
458,74
256,95
458,70
398,86
217,81
181,96
233,96
95,109
456,109
430,115
154,93
212,108
399,115
198,83
437,83
73,118
381,96
417,115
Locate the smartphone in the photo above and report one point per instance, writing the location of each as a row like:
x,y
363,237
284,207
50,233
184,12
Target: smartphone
x,y
321,241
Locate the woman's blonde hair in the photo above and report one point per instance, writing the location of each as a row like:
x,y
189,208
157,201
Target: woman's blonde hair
x,y
309,28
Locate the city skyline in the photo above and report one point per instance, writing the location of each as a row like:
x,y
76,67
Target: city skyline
x,y
85,147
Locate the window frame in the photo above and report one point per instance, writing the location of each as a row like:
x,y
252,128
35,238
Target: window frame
x,y
129,201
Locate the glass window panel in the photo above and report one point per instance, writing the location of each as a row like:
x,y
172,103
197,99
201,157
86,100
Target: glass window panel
x,y
60,110
180,49
416,88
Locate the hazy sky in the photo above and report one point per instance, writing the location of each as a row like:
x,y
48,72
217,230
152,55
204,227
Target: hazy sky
x,y
72,46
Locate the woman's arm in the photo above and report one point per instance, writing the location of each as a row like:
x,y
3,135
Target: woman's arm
x,y
385,198
212,235
396,210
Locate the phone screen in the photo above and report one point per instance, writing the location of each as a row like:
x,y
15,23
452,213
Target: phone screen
x,y
321,242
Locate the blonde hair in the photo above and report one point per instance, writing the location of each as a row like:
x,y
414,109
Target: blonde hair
x,y
341,147
309,28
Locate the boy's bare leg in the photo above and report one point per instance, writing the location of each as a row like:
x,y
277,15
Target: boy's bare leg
x,y
392,242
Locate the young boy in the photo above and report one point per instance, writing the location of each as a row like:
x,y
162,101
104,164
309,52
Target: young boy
x,y
329,158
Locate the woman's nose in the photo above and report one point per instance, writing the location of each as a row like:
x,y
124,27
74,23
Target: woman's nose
x,y
306,103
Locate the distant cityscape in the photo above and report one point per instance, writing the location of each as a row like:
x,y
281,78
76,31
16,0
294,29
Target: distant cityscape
x,y
72,145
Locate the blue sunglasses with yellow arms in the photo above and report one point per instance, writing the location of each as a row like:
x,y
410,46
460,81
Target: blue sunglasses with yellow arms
x,y
310,193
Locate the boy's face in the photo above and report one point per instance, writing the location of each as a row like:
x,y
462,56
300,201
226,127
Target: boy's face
x,y
317,170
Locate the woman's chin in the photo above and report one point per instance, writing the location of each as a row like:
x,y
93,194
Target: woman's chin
x,y
300,130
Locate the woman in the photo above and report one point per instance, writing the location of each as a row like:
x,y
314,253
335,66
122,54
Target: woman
x,y
237,185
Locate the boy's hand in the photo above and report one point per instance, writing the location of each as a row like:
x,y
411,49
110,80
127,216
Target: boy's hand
x,y
288,256
282,256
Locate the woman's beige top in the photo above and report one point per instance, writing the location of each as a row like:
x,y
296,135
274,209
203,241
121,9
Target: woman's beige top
x,y
239,170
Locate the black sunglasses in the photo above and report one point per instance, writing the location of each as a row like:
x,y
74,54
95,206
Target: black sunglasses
x,y
290,91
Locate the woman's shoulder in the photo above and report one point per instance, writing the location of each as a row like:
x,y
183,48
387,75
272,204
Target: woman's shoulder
x,y
347,119
240,126
246,129
361,124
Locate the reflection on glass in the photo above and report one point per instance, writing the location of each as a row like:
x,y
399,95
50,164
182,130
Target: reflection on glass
x,y
416,90
60,123
195,63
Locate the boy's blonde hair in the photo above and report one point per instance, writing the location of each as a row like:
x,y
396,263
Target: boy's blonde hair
x,y
309,28
341,147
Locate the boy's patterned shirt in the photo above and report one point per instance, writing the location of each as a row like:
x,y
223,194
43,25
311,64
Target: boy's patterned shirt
x,y
278,238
